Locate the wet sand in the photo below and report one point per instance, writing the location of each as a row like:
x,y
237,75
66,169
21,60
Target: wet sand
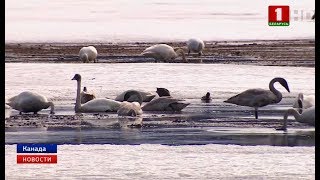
x,y
262,52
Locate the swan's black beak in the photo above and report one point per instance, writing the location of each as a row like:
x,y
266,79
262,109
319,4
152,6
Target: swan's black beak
x,y
285,85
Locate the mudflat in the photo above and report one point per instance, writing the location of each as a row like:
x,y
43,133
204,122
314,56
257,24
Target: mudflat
x,y
300,52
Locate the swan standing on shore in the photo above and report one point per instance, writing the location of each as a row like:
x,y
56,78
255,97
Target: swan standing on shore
x,y
30,102
260,97
306,102
85,96
306,117
146,96
163,52
195,45
87,54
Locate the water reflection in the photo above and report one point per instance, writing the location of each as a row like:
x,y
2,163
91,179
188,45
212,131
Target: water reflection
x,y
168,136
130,122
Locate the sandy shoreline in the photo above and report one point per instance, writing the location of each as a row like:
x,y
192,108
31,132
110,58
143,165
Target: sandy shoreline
x,y
299,52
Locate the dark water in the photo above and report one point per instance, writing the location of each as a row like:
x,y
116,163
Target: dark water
x,y
166,136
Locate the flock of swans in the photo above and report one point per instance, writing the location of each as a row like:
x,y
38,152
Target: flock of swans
x,y
129,103
159,52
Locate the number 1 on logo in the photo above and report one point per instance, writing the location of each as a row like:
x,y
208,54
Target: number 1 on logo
x,y
279,14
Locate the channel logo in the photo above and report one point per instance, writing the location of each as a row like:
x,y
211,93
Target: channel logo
x,y
47,156
278,16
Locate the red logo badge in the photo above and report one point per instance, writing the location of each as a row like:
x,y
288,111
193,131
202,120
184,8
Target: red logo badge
x,y
279,16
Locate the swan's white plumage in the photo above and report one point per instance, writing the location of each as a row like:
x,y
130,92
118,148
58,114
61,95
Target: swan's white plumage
x,y
100,105
306,117
195,45
95,105
30,102
307,101
129,109
162,52
88,53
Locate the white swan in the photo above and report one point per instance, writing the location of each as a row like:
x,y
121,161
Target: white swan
x,y
165,104
130,108
86,96
163,52
307,117
195,45
30,102
146,96
259,97
95,105
87,54
7,111
307,101
103,104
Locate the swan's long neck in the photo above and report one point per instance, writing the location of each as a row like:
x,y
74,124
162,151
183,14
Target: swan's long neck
x,y
78,98
180,51
274,91
293,112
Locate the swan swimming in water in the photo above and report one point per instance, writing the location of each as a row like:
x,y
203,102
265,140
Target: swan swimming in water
x,y
95,105
131,108
163,52
195,45
30,102
165,104
85,96
260,97
87,54
307,101
206,97
163,92
306,117
146,96
98,104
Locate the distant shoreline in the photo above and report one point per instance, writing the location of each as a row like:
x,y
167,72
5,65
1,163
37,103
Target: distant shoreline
x,y
291,52
152,41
